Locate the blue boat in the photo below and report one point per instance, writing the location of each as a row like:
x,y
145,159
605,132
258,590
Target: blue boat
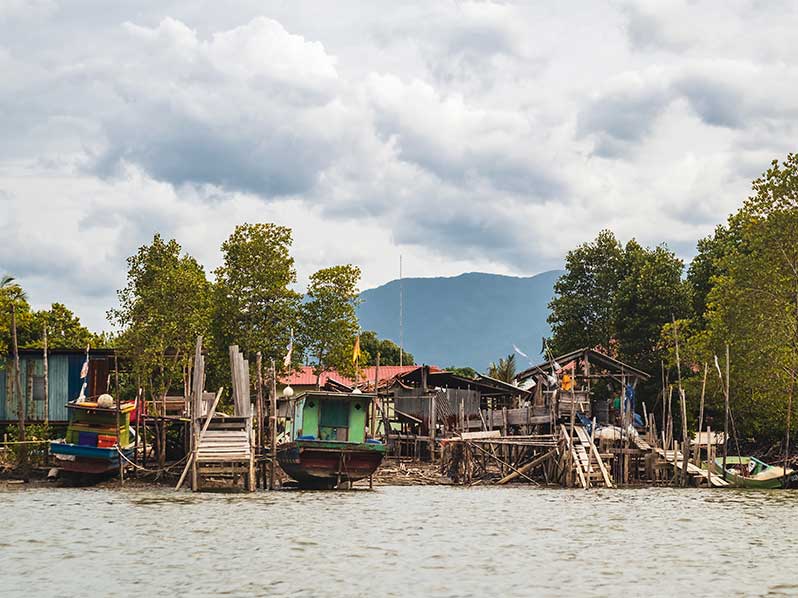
x,y
94,439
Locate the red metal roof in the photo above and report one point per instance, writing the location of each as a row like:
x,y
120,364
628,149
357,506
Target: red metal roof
x,y
306,377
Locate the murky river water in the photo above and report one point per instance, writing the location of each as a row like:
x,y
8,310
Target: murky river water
x,y
398,541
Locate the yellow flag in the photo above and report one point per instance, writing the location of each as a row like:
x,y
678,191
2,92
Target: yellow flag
x,y
356,350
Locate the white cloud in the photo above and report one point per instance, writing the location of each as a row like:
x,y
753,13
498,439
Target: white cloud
x,y
464,135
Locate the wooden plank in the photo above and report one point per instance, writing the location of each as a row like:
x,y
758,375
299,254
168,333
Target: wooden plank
x,y
583,437
528,466
480,435
574,456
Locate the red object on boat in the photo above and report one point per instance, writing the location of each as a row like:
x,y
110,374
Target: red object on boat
x,y
105,441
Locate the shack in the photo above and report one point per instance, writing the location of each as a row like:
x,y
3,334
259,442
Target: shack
x,y
63,382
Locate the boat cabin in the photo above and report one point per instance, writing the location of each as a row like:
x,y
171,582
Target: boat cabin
x,y
320,415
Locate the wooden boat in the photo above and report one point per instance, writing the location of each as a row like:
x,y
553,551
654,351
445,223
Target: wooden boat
x,y
328,445
90,446
750,472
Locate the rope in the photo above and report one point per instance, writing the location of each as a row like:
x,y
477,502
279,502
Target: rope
x,y
151,471
7,442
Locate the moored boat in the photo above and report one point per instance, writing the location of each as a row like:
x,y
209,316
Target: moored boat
x,y
329,444
94,434
750,472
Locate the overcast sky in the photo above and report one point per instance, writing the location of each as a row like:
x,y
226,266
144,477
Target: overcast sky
x,y
467,136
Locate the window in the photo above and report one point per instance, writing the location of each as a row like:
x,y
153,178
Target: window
x,y
38,388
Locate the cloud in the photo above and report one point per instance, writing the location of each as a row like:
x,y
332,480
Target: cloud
x,y
624,114
464,135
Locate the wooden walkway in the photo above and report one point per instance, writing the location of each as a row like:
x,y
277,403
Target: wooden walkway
x,y
692,469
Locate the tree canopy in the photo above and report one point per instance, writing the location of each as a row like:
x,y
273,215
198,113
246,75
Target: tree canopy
x,y
328,319
371,344
164,307
617,299
255,306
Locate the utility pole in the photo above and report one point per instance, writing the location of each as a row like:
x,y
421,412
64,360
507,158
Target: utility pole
x,y
401,314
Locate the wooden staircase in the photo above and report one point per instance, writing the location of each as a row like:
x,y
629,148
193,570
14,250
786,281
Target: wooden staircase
x,y
587,462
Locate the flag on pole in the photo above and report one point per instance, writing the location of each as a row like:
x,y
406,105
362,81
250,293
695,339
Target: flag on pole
x,y
289,355
84,371
356,351
84,374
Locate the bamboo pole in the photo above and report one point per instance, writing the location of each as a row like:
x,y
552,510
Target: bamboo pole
x,y
726,415
118,402
273,427
697,459
787,431
710,457
23,448
46,382
259,437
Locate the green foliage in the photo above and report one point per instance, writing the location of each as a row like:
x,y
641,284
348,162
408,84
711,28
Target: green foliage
x,y
255,307
465,372
504,370
617,299
753,303
37,452
64,330
328,318
649,295
583,309
370,345
164,307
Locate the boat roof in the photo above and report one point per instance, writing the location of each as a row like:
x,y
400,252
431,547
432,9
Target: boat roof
x,y
328,394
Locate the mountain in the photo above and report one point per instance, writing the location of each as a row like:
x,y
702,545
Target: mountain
x,y
467,320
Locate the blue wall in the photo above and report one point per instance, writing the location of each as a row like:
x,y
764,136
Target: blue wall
x,y
63,385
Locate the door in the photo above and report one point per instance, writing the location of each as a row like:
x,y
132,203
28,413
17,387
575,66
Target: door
x,y
334,420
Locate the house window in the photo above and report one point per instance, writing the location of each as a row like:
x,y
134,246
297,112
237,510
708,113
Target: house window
x,y
38,388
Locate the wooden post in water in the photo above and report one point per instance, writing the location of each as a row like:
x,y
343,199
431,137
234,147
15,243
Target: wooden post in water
x,y
46,382
726,415
261,478
118,402
23,448
710,459
375,401
697,459
273,427
787,431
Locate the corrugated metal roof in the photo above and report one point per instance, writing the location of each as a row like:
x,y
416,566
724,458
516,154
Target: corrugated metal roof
x,y
306,377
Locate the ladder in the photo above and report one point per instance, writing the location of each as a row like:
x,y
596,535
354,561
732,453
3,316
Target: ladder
x,y
587,462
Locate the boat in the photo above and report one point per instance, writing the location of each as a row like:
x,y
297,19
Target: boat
x,y
328,445
750,472
94,433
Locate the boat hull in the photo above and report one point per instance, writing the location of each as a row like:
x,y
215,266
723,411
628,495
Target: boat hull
x,y
767,482
327,464
77,458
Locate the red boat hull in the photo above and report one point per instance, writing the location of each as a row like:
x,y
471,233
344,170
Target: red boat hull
x,y
324,464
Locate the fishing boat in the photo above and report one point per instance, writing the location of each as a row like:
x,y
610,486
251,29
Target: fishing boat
x,y
750,472
95,430
328,446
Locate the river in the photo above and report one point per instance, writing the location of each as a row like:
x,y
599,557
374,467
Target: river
x,y
398,541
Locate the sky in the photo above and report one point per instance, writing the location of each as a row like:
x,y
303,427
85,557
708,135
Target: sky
x,y
464,136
